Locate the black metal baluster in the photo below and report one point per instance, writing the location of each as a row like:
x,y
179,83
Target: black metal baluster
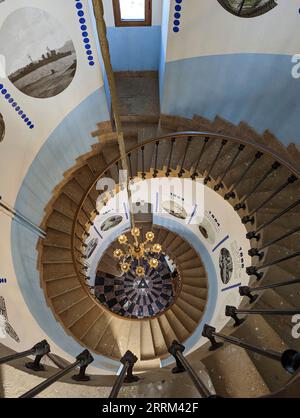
x,y
126,375
234,312
289,359
259,251
256,235
182,365
81,241
143,163
156,155
207,178
182,171
247,291
250,217
83,360
87,216
79,252
170,158
130,166
220,185
231,195
39,350
241,204
255,271
195,174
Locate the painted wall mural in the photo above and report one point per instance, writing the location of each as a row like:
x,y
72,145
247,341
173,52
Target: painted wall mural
x,y
248,8
41,61
5,327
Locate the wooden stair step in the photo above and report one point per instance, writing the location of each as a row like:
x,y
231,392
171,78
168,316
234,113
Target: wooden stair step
x,y
59,222
177,326
190,310
52,271
159,343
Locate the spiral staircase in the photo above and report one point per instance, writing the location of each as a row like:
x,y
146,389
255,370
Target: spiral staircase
x,y
256,174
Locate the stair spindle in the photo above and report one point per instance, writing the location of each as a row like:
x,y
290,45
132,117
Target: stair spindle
x,y
231,194
247,291
241,204
220,185
207,178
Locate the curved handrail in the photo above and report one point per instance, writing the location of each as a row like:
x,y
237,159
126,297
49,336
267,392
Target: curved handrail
x,y
169,137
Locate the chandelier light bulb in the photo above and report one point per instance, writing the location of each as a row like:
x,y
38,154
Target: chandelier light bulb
x,y
125,267
122,239
150,236
118,254
154,263
140,271
156,248
135,232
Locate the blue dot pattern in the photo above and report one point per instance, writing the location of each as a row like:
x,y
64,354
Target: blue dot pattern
x,y
177,16
10,100
84,32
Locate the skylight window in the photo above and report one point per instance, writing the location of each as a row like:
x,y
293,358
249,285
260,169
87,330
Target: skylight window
x,y
132,12
132,9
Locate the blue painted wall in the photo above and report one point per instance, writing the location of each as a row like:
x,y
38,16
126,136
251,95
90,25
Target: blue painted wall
x,y
256,88
135,48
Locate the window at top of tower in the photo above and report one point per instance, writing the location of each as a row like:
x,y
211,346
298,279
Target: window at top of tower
x,y
132,12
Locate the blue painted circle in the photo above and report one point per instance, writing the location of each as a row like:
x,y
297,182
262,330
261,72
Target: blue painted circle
x,y
31,126
178,1
177,15
7,96
14,104
1,86
26,120
90,58
91,63
89,52
21,112
11,100
80,13
87,46
17,108
86,40
176,22
82,20
79,6
29,123
85,34
23,116
177,8
3,91
83,27
176,29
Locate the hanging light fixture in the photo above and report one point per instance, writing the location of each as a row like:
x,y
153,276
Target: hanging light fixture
x,y
135,255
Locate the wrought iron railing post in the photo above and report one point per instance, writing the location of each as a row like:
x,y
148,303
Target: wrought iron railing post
x,y
39,350
126,375
289,359
234,312
182,365
247,291
82,360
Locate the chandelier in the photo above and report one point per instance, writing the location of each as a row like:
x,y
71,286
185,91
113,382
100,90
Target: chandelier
x,y
135,255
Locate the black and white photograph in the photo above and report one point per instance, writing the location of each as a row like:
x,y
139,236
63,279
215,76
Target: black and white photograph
x,y
226,265
111,222
174,209
91,246
6,328
40,56
2,128
207,231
